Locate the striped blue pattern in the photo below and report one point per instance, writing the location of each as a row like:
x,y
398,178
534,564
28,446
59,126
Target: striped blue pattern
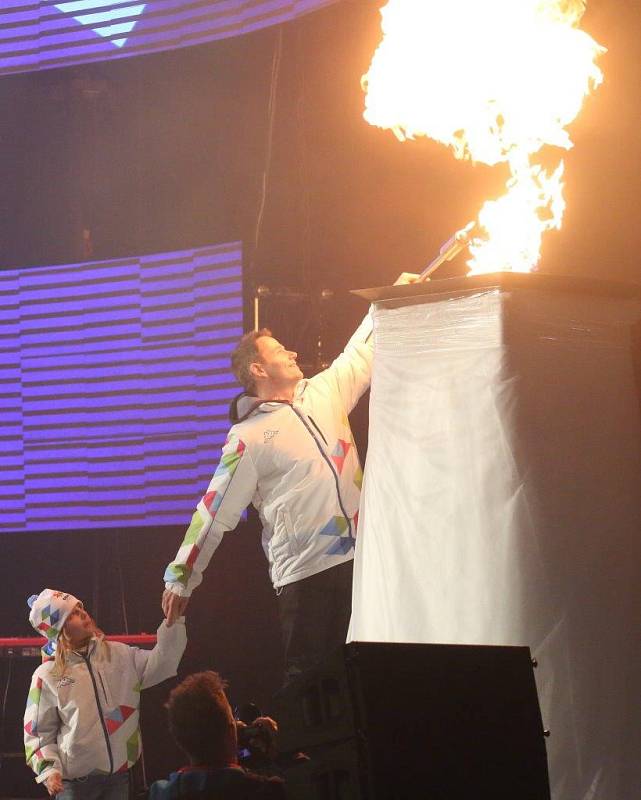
x,y
114,387
54,33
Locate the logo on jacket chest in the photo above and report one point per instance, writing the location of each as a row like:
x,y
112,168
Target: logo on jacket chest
x,y
67,680
268,436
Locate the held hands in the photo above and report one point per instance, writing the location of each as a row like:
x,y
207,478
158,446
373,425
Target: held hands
x,y
173,606
54,784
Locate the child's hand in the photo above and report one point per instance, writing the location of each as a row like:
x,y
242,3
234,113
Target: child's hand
x,y
54,784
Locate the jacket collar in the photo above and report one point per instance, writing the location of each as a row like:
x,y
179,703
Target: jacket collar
x,y
245,405
80,655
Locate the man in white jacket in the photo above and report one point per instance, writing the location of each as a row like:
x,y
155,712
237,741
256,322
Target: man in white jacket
x,y
291,453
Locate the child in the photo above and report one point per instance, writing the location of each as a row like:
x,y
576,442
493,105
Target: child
x,y
81,722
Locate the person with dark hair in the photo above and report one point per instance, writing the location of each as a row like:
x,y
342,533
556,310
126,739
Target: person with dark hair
x,y
202,723
291,453
244,355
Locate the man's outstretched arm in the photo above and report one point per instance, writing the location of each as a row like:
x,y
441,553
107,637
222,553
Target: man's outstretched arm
x,y
351,370
229,493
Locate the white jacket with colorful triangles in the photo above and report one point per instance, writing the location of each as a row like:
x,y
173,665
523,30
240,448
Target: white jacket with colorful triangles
x,y
87,721
298,465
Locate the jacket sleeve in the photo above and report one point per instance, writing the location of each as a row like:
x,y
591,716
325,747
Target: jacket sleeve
x,y
350,373
229,493
155,666
41,725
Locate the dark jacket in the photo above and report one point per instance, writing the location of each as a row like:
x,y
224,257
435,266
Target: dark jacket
x,y
228,783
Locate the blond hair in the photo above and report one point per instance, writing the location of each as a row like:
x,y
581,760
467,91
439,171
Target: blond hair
x,y
63,649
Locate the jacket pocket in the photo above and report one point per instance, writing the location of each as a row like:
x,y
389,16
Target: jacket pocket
x,y
103,689
282,544
291,532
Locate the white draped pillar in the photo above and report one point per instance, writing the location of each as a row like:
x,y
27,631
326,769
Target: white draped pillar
x,y
502,501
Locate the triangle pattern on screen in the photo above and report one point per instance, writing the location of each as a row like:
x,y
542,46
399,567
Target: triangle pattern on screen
x,y
104,11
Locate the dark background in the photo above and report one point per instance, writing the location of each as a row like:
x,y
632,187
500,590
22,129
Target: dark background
x,y
172,150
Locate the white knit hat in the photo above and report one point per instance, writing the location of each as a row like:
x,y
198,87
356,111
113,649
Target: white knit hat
x,y
49,611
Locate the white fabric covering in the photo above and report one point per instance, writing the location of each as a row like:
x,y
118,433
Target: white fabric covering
x,y
502,505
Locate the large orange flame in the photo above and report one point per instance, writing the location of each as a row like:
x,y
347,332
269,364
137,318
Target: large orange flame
x,y
495,80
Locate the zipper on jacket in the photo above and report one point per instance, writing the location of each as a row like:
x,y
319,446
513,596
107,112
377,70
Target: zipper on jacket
x,y
104,691
329,464
319,431
100,714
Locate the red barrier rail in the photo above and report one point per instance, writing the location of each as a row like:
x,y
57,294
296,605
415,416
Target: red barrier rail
x,y
29,647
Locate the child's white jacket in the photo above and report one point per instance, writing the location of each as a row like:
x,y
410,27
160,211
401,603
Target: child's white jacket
x,y
88,720
298,465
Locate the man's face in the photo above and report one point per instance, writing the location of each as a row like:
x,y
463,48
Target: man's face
x,y
278,364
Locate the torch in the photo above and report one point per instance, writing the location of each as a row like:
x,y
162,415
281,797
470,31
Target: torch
x,y
452,247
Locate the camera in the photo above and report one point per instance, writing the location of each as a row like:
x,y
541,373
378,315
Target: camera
x,y
256,734
246,733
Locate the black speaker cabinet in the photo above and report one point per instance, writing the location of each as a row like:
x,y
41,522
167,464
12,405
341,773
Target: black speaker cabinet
x,y
16,778
395,721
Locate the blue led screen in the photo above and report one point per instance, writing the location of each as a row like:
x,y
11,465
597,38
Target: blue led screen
x,y
44,34
114,387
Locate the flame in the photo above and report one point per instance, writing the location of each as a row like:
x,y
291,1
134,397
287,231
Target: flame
x,y
496,81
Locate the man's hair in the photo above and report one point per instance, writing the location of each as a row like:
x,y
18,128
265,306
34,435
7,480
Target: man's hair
x,y
200,718
244,355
